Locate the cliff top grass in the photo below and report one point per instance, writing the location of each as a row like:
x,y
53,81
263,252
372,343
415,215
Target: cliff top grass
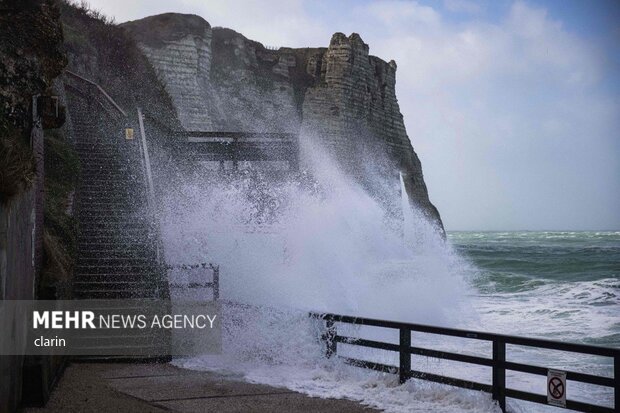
x,y
105,52
154,30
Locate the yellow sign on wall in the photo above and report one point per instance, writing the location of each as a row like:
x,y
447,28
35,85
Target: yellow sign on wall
x,y
129,133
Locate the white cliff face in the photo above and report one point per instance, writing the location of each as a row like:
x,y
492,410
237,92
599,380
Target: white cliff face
x,y
252,85
227,83
339,96
183,66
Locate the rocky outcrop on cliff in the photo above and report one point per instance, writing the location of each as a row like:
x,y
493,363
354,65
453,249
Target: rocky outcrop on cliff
x,y
339,96
29,61
352,108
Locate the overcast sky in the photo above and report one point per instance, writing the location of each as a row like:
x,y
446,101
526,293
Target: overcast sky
x,y
512,106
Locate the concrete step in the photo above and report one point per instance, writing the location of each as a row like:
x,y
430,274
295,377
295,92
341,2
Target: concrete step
x,y
130,212
116,268
96,160
94,154
98,144
90,226
106,175
102,178
81,285
134,230
129,209
109,185
110,188
90,149
143,255
94,237
131,218
113,153
114,162
141,276
103,182
113,294
119,218
105,243
115,261
135,277
111,247
99,241
109,162
127,206
144,230
99,193
110,217
124,196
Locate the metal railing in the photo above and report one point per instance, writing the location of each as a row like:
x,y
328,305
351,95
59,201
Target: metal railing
x,y
214,285
498,362
150,188
100,91
234,146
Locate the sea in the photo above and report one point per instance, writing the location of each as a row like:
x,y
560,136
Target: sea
x,y
333,250
556,285
559,285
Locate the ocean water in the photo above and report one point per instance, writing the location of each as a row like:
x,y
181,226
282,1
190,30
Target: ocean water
x,y
566,285
325,244
559,285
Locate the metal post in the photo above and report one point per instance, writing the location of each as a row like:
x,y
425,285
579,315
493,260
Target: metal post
x,y
149,185
405,355
499,373
216,283
330,338
294,157
147,159
234,155
617,383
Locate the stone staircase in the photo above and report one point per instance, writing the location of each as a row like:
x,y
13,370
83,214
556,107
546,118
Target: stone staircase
x,y
118,245
117,241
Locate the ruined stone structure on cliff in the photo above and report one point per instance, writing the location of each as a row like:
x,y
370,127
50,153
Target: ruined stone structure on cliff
x,y
339,96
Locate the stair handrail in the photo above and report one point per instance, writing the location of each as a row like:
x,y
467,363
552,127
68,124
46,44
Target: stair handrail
x,y
150,188
102,91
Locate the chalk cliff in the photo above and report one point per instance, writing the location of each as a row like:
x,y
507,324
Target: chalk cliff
x,y
339,95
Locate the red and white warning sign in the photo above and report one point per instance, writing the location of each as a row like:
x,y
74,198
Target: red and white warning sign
x,y
556,387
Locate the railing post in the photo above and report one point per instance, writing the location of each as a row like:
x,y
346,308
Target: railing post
x,y
499,373
617,382
405,355
216,283
330,338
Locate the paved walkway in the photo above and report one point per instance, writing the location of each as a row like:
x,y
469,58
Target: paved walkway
x,y
161,387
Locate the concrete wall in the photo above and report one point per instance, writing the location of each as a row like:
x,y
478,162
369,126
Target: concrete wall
x,y
21,229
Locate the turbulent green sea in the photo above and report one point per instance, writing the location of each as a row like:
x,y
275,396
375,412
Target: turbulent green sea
x,y
563,285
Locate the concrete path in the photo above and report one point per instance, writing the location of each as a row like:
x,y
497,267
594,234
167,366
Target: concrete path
x,y
162,387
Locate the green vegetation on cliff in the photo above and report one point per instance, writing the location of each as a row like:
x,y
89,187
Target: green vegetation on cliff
x,y
62,169
31,56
